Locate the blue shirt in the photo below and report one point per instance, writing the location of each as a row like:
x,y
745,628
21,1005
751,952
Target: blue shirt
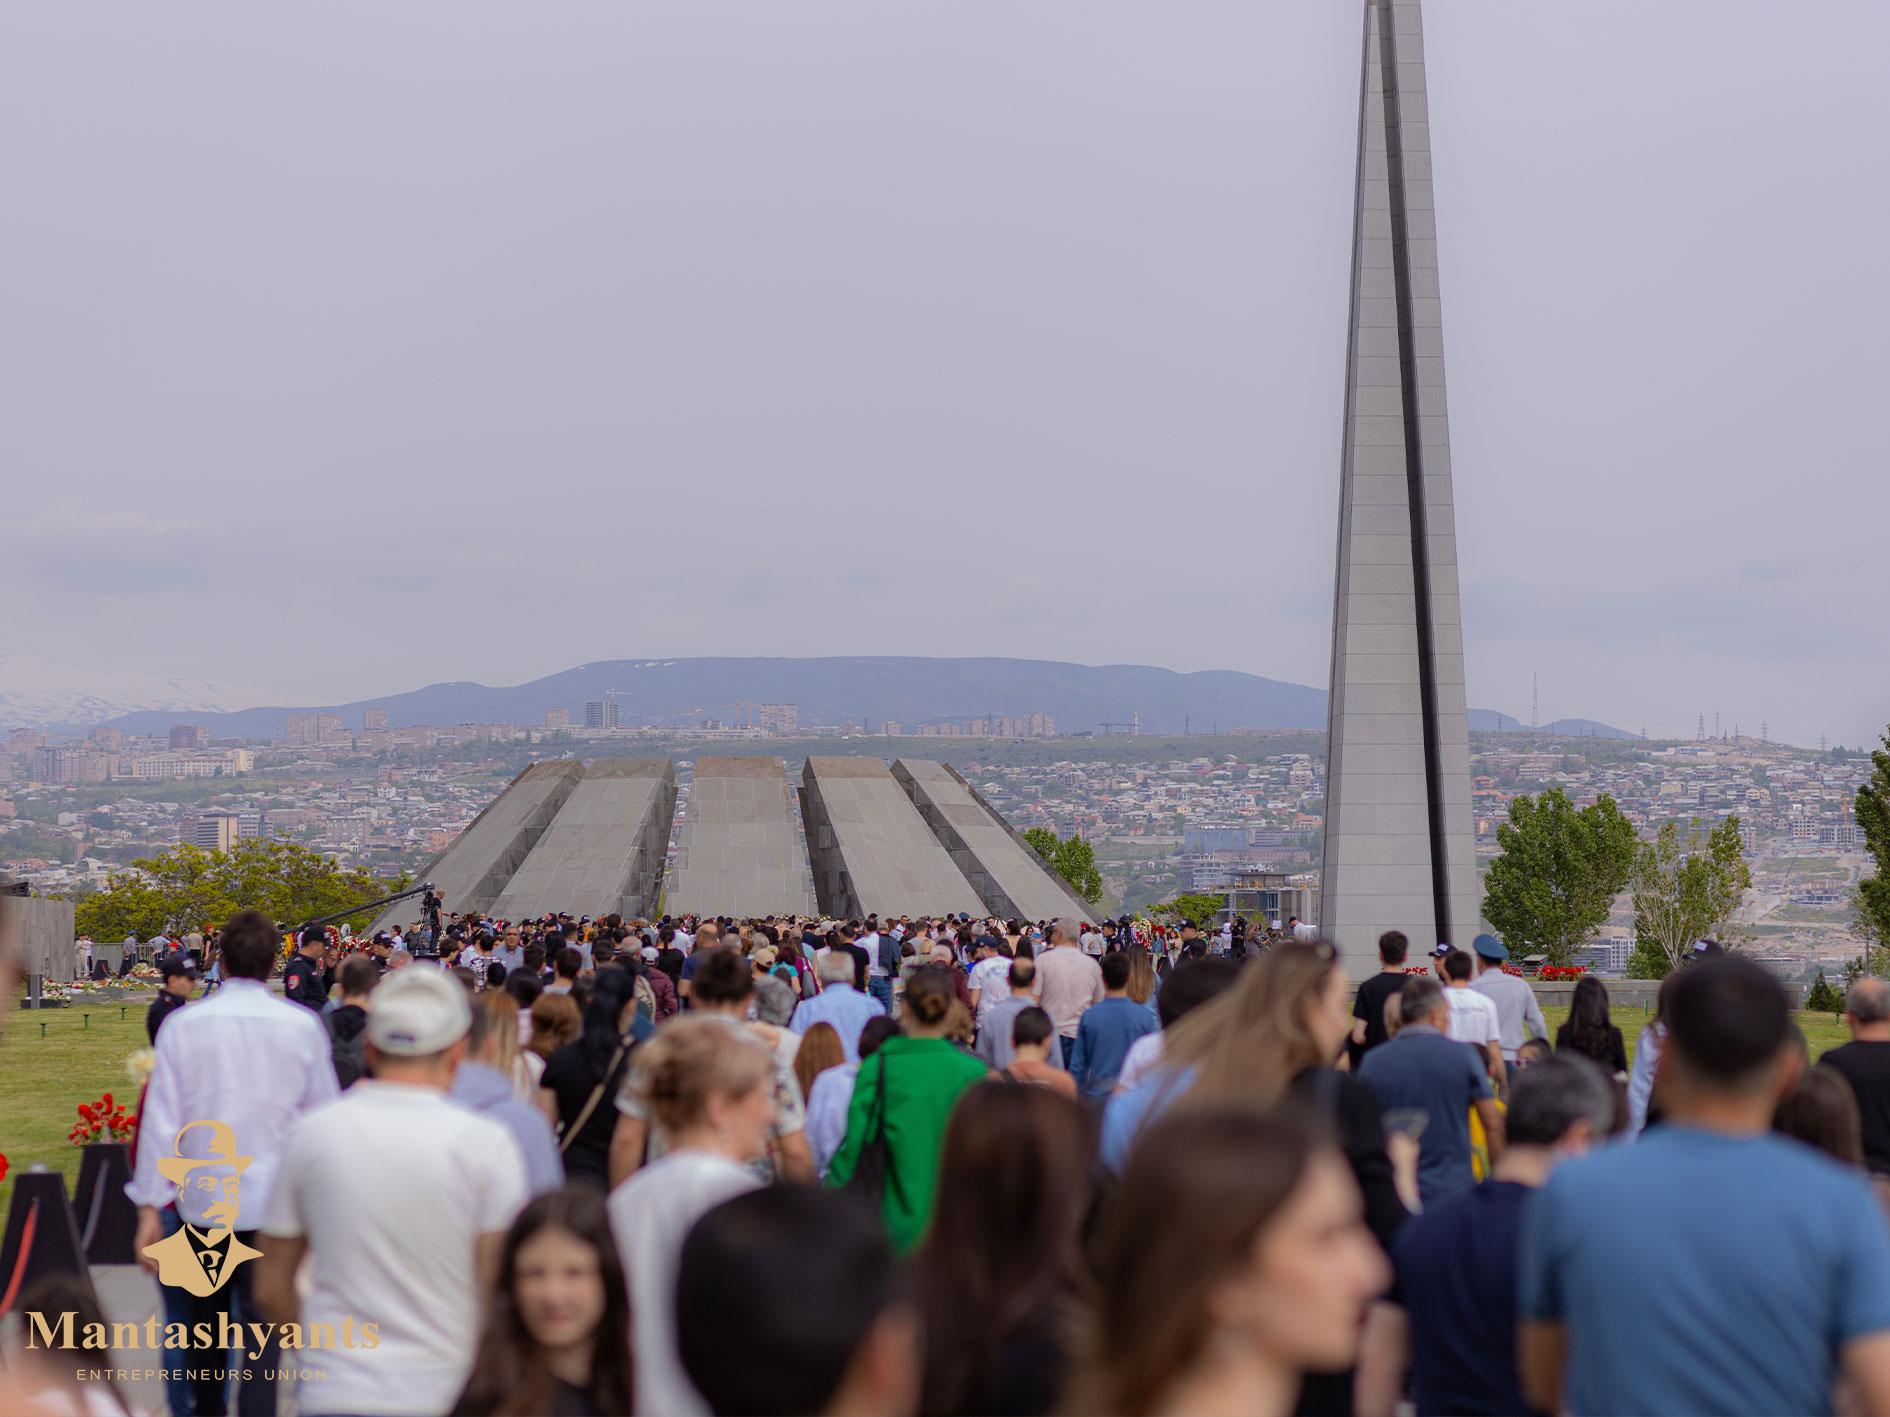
x,y
487,1090
1422,1068
1102,1042
843,1006
1703,1273
1126,1113
1456,1278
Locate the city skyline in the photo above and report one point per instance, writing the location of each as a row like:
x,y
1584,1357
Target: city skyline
x,y
768,332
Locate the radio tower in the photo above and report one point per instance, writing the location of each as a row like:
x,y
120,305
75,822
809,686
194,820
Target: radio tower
x,y
1535,702
1701,735
1765,732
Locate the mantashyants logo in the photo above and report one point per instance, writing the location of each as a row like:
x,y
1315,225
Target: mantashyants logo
x,y
200,1259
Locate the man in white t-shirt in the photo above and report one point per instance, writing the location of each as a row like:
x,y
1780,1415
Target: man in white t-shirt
x,y
1473,1018
400,1201
990,978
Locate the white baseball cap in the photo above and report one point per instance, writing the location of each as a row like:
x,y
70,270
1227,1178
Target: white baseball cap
x,y
418,1011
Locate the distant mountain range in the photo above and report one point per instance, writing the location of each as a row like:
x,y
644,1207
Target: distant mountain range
x,y
870,690
1490,721
37,693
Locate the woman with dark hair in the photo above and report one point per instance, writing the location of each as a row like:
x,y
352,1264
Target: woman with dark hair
x,y
557,1334
1588,1029
999,1277
581,1079
1233,1259
1822,1112
902,1100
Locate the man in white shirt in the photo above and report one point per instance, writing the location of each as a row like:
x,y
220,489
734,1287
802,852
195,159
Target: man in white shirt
x,y
990,978
249,1065
400,1200
1472,1016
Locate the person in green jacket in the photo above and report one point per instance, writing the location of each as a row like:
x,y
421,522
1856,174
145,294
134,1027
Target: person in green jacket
x,y
922,1076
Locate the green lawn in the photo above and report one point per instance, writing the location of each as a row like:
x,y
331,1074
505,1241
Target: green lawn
x,y
43,1080
1822,1031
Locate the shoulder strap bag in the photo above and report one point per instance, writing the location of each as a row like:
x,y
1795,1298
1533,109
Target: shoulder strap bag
x,y
567,1135
868,1180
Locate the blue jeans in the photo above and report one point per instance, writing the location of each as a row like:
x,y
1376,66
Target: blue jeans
x,y
257,1397
177,1387
880,987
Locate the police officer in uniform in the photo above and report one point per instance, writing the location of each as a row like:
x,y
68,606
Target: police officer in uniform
x,y
180,979
303,982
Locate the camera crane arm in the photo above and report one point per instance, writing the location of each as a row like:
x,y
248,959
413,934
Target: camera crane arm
x,y
426,888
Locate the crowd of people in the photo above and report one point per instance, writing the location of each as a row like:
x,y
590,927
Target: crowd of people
x,y
982,1166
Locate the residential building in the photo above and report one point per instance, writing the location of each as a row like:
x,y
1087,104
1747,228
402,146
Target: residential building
x,y
212,831
374,720
190,736
777,718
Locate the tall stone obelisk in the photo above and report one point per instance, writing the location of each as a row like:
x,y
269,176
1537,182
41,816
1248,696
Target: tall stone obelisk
x,y
1400,847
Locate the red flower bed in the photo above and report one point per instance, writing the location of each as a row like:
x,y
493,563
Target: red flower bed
x,y
103,1120
1419,969
1562,971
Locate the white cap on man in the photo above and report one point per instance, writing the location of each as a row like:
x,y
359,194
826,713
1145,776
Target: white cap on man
x,y
417,1012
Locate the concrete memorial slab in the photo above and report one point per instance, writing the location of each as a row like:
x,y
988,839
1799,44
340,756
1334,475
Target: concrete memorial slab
x,y
603,852
871,850
473,871
740,851
1010,877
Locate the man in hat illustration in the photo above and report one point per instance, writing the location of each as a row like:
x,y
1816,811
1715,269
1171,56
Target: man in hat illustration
x,y
201,1260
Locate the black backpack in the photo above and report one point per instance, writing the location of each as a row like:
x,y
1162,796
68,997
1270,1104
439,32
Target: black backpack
x,y
349,1054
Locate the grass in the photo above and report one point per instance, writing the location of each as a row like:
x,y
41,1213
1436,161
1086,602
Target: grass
x,y
1822,1031
43,1080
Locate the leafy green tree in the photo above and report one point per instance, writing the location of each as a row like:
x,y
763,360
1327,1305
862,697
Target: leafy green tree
x,y
1821,998
1198,907
1875,959
1871,897
1559,873
1074,860
186,889
1686,888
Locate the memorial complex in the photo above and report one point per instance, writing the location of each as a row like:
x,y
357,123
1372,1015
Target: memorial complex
x,y
912,839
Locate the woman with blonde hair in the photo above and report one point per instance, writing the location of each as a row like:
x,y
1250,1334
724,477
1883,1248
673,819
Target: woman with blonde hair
x,y
1275,1034
1142,982
711,1089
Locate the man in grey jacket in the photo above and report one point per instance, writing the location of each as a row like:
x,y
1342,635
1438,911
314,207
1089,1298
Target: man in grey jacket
x,y
994,1033
1518,1015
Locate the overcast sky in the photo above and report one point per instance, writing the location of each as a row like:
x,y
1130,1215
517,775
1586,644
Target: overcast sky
x,y
349,347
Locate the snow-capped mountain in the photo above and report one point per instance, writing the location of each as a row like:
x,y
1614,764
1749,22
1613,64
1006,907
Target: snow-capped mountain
x,y
36,693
